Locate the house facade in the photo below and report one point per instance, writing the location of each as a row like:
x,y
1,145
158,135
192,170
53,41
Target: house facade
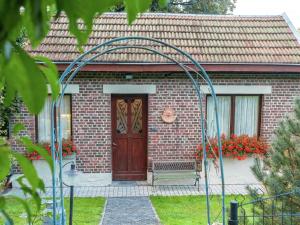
x,y
113,108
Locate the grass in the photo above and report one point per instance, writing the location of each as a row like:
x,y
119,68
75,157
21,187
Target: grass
x,y
188,210
87,211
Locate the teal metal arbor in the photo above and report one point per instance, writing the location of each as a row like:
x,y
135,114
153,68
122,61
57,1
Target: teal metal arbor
x,y
128,43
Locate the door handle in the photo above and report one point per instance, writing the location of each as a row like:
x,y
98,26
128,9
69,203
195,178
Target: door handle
x,y
114,144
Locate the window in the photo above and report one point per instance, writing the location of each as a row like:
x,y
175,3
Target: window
x,y
44,120
237,115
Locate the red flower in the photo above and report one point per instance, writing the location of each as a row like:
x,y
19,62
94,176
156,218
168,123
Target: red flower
x,y
68,148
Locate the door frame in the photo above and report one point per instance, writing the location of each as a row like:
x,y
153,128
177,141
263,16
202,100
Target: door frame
x,y
113,117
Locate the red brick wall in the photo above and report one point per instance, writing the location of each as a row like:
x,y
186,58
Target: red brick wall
x,y
28,121
92,126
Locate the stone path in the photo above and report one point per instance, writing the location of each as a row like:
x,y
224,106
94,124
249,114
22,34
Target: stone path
x,y
129,211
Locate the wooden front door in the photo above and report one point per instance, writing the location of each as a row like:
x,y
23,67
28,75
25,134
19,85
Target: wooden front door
x,y
129,137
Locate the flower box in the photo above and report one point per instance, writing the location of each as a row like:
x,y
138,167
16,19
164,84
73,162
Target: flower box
x,y
237,172
236,147
69,150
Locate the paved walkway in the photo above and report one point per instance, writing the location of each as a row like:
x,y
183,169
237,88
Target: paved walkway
x,y
132,190
129,211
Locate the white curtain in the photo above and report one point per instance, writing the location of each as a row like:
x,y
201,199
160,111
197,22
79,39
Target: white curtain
x,y
65,115
224,105
246,115
44,120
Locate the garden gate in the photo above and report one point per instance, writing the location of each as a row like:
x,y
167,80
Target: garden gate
x,y
195,73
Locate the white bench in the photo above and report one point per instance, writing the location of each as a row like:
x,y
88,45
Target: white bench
x,y
174,170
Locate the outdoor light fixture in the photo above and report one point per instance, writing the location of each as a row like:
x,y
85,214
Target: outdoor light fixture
x,y
71,176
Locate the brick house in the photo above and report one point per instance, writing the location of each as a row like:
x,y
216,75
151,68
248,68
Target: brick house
x,y
113,108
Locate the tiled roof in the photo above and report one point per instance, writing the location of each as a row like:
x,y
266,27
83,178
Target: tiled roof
x,y
209,39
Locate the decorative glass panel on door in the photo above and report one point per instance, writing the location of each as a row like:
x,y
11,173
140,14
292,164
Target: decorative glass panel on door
x,y
137,116
122,116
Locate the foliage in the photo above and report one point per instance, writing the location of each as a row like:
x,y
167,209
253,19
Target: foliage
x,y
68,148
204,6
235,147
279,172
93,207
191,6
269,210
4,183
6,112
190,210
34,17
34,184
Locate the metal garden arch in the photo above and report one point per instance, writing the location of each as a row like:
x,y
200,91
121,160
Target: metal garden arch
x,y
123,43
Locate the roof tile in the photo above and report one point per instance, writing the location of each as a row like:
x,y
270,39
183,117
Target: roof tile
x,y
210,39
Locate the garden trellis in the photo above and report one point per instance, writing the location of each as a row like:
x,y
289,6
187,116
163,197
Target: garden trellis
x,y
196,73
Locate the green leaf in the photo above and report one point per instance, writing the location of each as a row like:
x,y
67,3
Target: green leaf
x,y
3,141
134,7
33,147
2,202
51,73
76,12
162,3
27,190
35,19
28,170
23,75
25,206
17,128
8,220
4,162
10,94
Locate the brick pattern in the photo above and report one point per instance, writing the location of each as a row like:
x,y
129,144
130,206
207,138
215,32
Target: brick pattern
x,y
92,125
91,112
28,120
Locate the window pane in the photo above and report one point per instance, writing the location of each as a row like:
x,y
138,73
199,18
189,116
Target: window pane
x,y
65,115
44,122
224,106
121,116
136,116
246,115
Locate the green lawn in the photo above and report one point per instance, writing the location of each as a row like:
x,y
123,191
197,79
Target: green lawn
x,y
87,211
188,210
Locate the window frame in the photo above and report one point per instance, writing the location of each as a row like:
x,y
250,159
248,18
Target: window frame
x,y
55,122
232,110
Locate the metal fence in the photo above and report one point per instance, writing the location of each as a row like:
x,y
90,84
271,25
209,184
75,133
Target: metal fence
x,y
280,209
